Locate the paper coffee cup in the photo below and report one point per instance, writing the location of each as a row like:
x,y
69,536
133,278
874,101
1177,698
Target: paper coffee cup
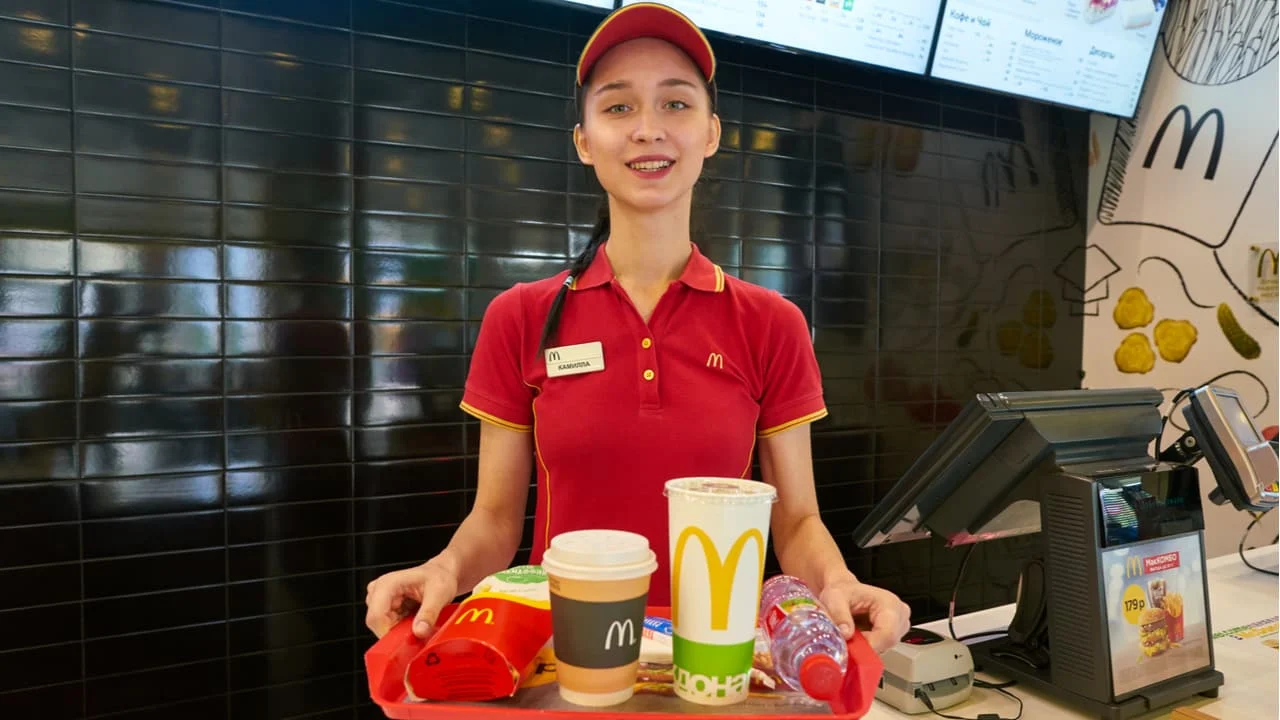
x,y
599,584
719,529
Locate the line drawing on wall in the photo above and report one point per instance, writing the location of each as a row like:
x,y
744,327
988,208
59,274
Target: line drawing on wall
x,y
1215,42
1099,267
1195,141
1181,279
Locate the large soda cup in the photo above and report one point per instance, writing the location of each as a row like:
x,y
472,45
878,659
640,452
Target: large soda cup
x,y
719,529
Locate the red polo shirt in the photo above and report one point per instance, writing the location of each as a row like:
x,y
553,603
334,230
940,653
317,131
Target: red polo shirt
x,y
720,363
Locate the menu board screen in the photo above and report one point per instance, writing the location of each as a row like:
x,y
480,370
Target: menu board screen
x,y
895,34
1090,54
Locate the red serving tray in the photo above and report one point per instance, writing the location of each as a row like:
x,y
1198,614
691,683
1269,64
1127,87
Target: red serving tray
x,y
386,661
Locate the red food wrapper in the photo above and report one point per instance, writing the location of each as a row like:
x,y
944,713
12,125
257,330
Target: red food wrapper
x,y
487,647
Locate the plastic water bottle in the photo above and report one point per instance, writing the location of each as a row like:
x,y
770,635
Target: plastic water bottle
x,y
809,653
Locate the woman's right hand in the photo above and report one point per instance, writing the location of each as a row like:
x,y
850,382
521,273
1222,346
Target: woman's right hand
x,y
425,589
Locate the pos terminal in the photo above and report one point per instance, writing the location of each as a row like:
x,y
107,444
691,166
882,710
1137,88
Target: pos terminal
x,y
1113,617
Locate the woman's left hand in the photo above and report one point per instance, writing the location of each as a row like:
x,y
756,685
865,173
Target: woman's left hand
x,y
849,601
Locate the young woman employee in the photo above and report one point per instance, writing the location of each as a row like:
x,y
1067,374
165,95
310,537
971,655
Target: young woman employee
x,y
642,362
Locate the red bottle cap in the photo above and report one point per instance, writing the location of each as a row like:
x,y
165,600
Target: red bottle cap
x,y
821,676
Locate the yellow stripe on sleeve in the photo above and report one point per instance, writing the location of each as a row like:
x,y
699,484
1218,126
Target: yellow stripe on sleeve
x,y
472,410
811,417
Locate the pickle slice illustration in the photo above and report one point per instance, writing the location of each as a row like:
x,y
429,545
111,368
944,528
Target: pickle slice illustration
x,y
1242,341
1135,354
1133,309
1174,339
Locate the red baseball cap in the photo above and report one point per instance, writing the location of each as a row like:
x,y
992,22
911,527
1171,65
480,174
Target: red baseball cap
x,y
647,19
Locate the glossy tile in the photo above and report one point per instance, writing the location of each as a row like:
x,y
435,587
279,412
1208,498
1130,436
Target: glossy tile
x,y
374,409
395,91
288,227
36,128
140,58
41,212
285,114
290,594
287,302
382,268
424,233
510,239
291,665
131,653
288,485
155,687
401,547
39,544
288,522
107,298
412,23
146,139
329,13
267,632
21,297
290,557
43,461
406,442
49,625
287,78
152,416
294,448
33,42
406,197
295,699
292,412
111,338
148,218
318,192
411,476
285,40
517,140
40,585
484,34
157,573
150,20
287,337
520,74
292,375
278,152
408,303
40,666
27,84
35,170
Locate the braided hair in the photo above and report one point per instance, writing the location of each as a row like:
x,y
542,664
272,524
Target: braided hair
x,y
599,233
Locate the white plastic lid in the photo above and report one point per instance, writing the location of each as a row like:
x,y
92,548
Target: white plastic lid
x,y
721,491
599,555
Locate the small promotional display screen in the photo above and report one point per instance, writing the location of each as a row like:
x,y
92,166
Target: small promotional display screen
x,y
895,34
1155,595
1238,419
1090,54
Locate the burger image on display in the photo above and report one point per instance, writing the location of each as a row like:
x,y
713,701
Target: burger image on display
x,y
1153,635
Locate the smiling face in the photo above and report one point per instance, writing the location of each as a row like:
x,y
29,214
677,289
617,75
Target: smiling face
x,y
647,124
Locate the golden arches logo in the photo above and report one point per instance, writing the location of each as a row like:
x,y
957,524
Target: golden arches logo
x,y
1262,258
719,574
474,614
1133,567
715,360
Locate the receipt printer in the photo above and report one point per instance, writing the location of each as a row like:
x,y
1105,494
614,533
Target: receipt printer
x,y
928,663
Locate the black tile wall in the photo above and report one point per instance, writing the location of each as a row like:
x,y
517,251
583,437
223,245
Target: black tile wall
x,y
245,247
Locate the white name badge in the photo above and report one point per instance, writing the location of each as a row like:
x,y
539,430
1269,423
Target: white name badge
x,y
575,359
